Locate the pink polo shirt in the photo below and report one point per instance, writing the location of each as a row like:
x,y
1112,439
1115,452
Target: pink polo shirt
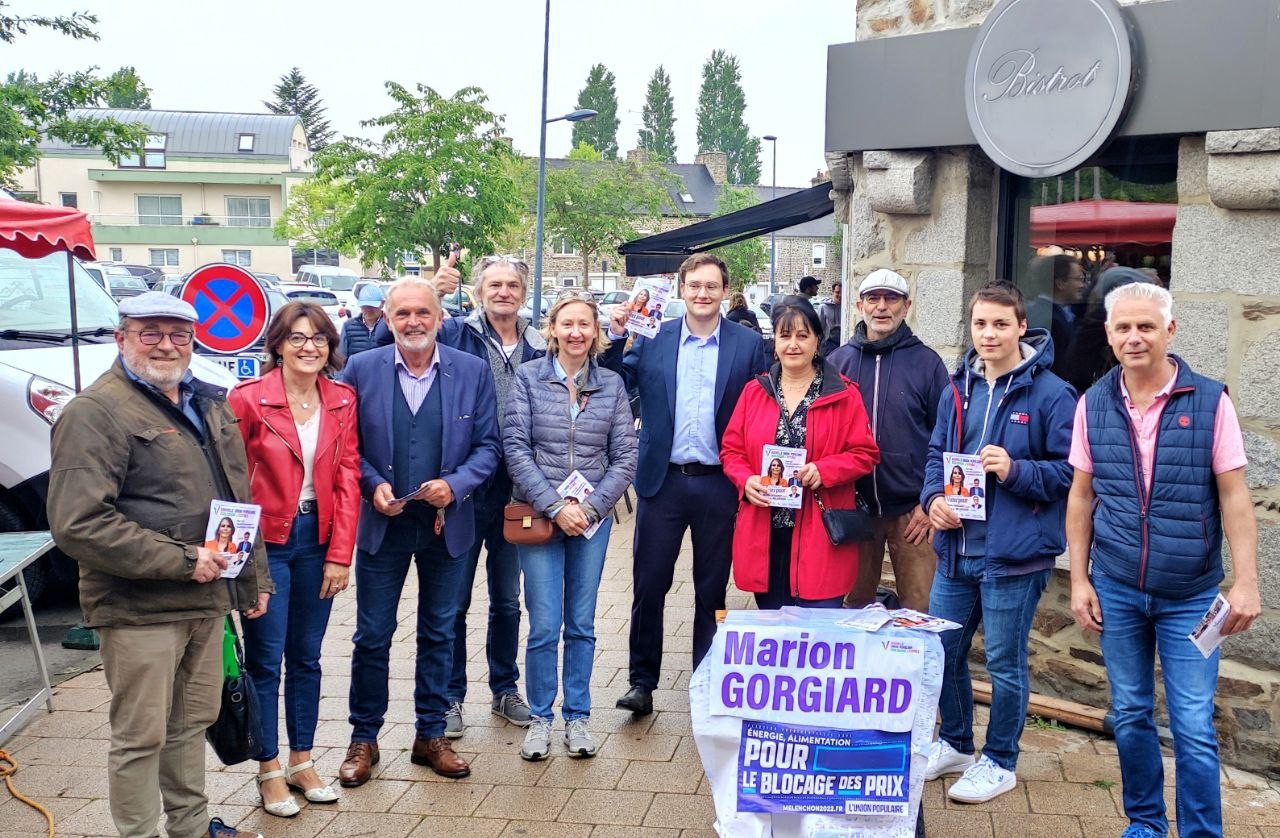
x,y
1228,442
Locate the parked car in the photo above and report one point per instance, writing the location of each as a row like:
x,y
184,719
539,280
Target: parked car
x,y
766,325
610,300
147,273
268,280
460,303
341,281
171,285
327,300
767,304
115,279
526,310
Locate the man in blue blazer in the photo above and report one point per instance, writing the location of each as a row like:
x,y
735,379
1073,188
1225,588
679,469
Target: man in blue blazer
x,y
428,440
688,378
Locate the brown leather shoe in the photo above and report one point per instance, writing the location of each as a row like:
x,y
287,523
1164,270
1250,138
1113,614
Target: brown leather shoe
x,y
358,766
438,754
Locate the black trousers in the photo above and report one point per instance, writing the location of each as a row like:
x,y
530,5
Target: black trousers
x,y
707,506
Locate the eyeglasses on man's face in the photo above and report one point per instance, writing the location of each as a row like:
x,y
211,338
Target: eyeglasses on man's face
x,y
875,298
153,337
296,339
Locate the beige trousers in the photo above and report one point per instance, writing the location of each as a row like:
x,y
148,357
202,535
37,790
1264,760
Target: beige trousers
x,y
913,566
166,689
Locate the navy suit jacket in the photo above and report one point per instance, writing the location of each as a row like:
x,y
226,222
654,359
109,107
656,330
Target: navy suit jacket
x,y
470,444
649,368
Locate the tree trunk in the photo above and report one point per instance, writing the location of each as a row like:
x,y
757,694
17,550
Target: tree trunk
x,y
586,269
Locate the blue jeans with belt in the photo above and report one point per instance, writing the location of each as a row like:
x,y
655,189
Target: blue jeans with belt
x,y
292,630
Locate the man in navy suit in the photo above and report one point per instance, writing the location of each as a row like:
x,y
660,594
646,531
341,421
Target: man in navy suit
x,y
428,440
688,378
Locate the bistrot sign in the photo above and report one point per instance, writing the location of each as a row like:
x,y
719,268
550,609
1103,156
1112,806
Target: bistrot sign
x,y
231,307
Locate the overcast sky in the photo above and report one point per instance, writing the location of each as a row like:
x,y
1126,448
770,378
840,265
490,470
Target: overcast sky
x,y
227,56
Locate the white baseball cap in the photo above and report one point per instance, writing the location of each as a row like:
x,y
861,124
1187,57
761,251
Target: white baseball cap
x,y
884,280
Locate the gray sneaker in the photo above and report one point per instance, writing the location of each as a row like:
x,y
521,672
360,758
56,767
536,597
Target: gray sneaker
x,y
513,708
578,739
537,740
453,724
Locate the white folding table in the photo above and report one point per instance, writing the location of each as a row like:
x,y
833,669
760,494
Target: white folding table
x,y
18,550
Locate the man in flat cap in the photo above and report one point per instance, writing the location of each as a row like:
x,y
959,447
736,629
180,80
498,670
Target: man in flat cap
x,y
137,459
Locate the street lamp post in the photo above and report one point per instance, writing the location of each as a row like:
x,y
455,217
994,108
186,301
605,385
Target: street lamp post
x,y
773,257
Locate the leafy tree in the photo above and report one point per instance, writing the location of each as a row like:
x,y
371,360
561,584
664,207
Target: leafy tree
x,y
440,174
126,90
310,219
601,96
721,104
748,257
30,109
658,134
295,96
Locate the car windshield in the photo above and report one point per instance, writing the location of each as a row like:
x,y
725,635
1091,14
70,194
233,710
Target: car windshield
x,y
674,309
34,295
338,282
128,282
323,298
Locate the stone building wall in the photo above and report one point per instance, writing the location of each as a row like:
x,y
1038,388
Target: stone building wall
x,y
930,215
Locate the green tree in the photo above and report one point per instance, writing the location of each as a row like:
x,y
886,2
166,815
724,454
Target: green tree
x,y
31,109
601,96
658,131
721,127
126,90
748,257
295,96
310,219
440,174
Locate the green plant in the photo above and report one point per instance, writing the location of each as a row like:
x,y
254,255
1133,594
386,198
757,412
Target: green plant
x,y
1041,723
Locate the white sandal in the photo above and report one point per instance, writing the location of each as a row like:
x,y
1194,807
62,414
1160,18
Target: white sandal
x,y
283,809
324,794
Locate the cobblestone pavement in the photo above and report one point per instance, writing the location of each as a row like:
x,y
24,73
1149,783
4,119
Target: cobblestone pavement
x,y
646,781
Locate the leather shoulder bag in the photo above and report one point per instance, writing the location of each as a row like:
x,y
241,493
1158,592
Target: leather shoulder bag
x,y
522,524
846,526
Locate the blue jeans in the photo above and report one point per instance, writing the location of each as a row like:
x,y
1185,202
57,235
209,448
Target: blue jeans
x,y
1134,626
1004,606
379,580
561,580
503,565
292,629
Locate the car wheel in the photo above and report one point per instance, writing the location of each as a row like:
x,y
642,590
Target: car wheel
x,y
39,576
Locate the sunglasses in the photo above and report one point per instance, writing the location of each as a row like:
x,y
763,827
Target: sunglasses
x,y
520,265
581,295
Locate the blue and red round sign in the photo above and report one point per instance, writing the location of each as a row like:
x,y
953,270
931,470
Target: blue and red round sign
x,y
230,304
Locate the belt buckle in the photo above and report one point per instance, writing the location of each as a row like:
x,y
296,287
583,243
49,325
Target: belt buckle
x,y
306,507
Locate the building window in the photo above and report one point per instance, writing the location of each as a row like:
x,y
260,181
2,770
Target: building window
x,y
163,257
563,247
569,281
152,156
69,199
248,212
244,142
117,254
243,258
819,255
160,209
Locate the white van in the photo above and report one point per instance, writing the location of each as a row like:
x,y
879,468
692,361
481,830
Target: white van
x,y
37,380
341,281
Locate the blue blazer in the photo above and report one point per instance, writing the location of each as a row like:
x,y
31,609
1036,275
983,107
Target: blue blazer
x,y
649,369
470,446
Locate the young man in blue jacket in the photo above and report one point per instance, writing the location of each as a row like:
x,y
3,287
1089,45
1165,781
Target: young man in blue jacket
x,y
1005,406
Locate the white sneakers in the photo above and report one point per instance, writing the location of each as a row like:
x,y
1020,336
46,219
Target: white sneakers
x,y
981,781
537,740
944,759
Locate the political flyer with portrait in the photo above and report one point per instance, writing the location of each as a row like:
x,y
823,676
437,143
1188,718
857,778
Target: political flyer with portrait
x,y
780,473
964,485
648,301
578,488
231,533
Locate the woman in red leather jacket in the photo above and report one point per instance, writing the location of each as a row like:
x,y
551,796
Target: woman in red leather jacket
x,y
299,429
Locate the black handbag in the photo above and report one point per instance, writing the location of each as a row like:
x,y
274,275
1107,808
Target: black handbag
x,y
846,526
235,736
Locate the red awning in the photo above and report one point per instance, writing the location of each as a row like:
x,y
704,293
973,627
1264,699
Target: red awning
x,y
1102,222
36,230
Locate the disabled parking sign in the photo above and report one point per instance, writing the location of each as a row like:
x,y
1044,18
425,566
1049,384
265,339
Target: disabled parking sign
x,y
230,305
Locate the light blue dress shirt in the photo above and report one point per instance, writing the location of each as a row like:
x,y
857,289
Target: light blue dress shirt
x,y
694,440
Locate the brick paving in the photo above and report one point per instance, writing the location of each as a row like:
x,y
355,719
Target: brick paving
x,y
647,781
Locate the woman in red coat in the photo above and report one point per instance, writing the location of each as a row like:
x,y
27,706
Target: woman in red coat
x,y
299,429
803,402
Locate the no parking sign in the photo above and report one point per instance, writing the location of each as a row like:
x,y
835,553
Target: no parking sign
x,y
231,307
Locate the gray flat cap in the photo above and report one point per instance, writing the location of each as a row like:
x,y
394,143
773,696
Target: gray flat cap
x,y
158,304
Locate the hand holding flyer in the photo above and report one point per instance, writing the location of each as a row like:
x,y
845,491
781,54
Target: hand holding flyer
x,y
648,301
780,475
1207,635
578,488
965,486
231,533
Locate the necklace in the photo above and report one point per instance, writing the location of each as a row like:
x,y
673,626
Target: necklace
x,y
299,402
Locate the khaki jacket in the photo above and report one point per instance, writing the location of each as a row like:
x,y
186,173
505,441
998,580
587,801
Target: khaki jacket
x,y
129,494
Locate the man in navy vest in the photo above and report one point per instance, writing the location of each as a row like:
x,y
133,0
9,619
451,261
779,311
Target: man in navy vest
x,y
428,440
1158,449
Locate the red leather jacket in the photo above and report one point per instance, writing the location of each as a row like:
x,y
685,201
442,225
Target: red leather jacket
x,y
275,460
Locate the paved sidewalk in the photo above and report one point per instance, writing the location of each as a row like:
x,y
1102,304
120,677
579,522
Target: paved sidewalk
x,y
646,782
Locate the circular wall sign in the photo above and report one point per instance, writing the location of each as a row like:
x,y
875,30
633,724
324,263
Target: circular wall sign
x,y
1048,82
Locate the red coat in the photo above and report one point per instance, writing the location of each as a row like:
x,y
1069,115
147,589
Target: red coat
x,y
275,460
839,441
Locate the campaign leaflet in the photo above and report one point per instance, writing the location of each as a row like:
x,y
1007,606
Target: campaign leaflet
x,y
780,473
577,487
964,485
231,533
648,301
1207,635
796,769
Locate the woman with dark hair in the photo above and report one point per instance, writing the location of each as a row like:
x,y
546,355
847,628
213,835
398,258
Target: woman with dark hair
x,y
955,485
802,402
224,537
299,429
775,476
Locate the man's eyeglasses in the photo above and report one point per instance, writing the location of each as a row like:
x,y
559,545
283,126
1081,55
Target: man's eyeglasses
x,y
520,266
296,339
153,337
875,298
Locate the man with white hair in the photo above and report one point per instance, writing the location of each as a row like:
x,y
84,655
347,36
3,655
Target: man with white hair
x,y
428,441
1159,477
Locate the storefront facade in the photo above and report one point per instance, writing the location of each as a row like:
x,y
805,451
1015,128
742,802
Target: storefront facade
x,y
1063,138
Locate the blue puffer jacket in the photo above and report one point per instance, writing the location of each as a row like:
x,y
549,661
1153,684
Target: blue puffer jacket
x,y
1026,512
1168,543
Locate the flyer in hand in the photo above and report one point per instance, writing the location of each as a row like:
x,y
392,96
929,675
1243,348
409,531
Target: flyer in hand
x,y
577,487
648,301
964,485
231,533
780,473
1207,635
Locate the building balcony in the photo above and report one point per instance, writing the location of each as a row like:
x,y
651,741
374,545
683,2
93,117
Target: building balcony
x,y
173,230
